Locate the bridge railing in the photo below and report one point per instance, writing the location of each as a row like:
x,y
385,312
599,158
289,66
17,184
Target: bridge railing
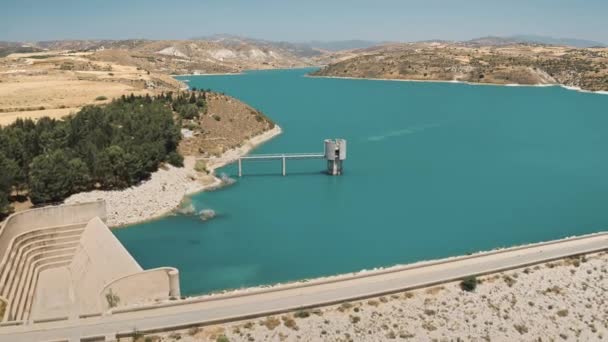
x,y
278,156
284,155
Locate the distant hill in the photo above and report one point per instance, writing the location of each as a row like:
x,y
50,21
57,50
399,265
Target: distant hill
x,y
340,45
533,39
311,48
297,49
6,48
580,43
215,54
486,60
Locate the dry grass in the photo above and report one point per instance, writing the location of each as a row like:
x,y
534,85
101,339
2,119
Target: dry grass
x,y
238,123
435,290
271,322
290,323
61,84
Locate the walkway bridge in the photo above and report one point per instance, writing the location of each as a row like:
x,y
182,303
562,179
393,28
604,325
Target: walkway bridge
x,y
335,154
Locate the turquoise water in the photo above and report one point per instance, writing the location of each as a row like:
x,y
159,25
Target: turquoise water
x,y
433,170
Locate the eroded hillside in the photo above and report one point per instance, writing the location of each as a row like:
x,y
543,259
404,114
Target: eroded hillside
x,y
217,55
513,64
225,124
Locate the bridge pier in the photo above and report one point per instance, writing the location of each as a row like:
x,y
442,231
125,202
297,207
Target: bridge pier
x,y
284,168
240,168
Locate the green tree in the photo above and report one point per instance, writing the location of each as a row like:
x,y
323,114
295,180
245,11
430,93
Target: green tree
x,y
79,175
117,145
112,170
200,102
175,159
188,111
50,178
8,173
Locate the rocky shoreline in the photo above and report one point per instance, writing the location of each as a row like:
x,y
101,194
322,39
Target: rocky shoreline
x,y
541,85
167,187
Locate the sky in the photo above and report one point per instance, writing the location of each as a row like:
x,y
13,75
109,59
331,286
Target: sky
x,y
302,20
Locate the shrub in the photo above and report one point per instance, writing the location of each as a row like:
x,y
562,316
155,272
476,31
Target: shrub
x,y
112,299
302,314
187,111
290,323
175,159
101,98
222,338
270,323
522,329
345,307
469,284
200,166
373,302
509,280
429,312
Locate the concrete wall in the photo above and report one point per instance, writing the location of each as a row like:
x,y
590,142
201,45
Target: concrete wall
x,y
99,259
99,263
48,217
141,288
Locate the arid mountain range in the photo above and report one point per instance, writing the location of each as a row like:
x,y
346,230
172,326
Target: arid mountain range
x,y
217,54
57,77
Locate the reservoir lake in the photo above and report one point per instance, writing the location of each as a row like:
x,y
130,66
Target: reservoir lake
x,y
433,170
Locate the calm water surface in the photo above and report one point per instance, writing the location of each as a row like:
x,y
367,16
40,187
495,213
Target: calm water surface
x,y
433,170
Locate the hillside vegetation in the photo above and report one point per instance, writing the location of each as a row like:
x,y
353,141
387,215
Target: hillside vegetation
x,y
107,147
117,145
511,64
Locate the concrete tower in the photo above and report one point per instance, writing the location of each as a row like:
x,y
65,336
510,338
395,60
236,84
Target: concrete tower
x,y
335,154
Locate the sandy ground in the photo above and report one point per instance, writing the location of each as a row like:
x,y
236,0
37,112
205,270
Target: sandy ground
x,y
167,187
8,118
57,83
558,301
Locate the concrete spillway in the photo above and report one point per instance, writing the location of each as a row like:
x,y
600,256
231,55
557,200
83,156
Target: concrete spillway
x,y
62,262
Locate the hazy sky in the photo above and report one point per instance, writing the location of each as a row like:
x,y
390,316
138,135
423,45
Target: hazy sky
x,y
397,20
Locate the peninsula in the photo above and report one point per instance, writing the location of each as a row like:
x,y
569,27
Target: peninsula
x,y
55,92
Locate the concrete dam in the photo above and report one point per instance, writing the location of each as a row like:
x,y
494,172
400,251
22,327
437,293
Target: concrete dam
x,y
62,262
